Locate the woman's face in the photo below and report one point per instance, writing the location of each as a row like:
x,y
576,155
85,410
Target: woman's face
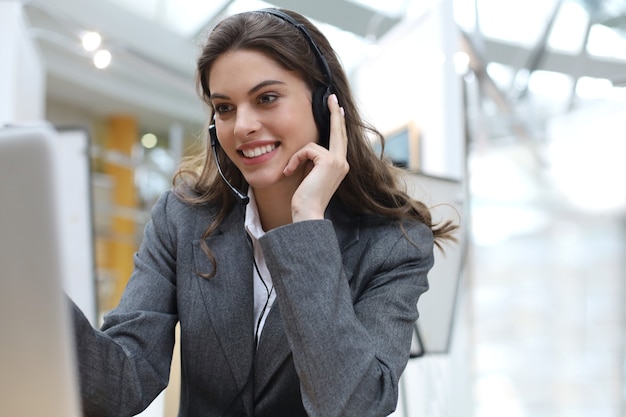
x,y
263,115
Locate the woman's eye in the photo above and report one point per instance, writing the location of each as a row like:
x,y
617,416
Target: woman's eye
x,y
267,98
221,108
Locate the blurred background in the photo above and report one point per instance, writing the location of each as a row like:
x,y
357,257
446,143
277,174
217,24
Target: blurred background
x,y
519,104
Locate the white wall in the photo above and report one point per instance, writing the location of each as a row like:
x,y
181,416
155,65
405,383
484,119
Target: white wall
x,y
22,75
413,79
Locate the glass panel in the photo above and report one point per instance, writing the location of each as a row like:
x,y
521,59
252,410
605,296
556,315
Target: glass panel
x,y
518,21
390,8
188,17
568,32
606,42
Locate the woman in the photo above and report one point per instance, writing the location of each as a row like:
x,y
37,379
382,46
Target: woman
x,y
299,303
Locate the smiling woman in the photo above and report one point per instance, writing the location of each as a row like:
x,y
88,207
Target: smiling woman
x,y
263,116
285,250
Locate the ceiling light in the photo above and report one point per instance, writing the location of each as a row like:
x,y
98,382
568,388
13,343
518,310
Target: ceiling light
x,y
149,140
91,41
102,59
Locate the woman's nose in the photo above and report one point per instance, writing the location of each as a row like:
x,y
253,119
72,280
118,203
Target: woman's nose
x,y
246,122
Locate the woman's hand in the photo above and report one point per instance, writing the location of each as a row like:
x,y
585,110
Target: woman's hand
x,y
327,168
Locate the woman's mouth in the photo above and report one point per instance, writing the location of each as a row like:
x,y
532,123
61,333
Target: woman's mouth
x,y
258,151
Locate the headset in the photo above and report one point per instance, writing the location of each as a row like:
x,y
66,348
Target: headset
x,y
321,113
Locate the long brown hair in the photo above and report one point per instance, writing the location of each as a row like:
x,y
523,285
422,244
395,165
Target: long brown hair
x,y
372,184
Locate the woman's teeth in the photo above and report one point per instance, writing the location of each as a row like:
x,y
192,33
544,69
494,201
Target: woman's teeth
x,y
253,153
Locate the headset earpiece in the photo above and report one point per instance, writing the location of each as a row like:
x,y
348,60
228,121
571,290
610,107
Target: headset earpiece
x,y
321,114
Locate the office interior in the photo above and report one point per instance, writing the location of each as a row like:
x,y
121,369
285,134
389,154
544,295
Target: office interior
x,y
518,105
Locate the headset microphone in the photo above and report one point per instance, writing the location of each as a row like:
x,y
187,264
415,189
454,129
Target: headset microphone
x,y
243,199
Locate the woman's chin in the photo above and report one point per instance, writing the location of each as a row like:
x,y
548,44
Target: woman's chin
x,y
273,182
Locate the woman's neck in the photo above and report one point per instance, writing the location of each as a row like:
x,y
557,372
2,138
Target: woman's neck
x,y
274,205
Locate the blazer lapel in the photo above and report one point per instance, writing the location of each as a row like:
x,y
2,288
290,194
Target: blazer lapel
x,y
228,296
272,351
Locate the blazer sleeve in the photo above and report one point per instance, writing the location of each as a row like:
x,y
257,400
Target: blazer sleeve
x,y
349,332
125,365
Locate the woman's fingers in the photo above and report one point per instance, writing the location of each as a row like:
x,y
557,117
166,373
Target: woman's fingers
x,y
309,152
338,138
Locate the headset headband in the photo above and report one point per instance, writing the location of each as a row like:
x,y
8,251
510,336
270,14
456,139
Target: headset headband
x,y
320,57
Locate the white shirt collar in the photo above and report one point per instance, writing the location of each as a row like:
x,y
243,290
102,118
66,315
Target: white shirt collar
x,y
252,220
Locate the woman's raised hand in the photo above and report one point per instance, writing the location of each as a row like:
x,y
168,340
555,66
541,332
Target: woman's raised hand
x,y
326,168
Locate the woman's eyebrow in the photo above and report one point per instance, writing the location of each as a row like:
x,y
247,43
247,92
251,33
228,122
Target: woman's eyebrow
x,y
253,90
263,84
218,95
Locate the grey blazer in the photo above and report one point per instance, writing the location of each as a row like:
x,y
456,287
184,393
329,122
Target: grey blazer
x,y
334,344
